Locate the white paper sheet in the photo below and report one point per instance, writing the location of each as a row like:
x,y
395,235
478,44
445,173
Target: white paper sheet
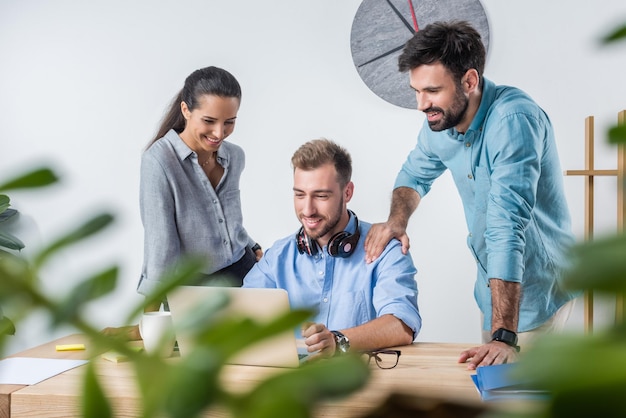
x,y
30,371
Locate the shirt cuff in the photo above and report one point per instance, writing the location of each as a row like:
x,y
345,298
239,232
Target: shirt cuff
x,y
147,287
405,180
505,266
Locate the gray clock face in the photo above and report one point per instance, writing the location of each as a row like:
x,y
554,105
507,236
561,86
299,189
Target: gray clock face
x,y
382,27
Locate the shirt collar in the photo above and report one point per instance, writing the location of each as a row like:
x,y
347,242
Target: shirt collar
x,y
222,155
351,222
486,100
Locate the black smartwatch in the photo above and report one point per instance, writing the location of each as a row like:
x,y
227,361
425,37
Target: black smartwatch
x,y
505,336
341,342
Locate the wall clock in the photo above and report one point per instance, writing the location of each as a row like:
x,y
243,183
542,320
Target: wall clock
x,y
381,28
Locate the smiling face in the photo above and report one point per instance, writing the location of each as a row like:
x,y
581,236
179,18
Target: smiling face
x,y
320,202
212,121
440,97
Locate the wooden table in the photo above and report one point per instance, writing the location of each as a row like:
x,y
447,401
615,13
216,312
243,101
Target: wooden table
x,y
424,370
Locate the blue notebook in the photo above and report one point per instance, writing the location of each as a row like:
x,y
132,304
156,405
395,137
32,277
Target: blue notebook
x,y
496,383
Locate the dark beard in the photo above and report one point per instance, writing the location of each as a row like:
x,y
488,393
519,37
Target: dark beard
x,y
453,116
332,223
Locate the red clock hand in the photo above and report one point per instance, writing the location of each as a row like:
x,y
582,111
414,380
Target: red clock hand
x,y
413,15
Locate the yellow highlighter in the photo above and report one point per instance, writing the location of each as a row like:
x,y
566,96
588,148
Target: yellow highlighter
x,y
70,347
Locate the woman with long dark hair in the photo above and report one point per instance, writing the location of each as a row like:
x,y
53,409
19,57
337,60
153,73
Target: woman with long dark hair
x,y
189,192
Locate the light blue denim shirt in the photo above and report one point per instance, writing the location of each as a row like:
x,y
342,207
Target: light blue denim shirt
x,y
183,214
343,292
508,174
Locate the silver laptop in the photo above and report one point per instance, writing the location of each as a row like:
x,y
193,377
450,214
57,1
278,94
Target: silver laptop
x,y
282,350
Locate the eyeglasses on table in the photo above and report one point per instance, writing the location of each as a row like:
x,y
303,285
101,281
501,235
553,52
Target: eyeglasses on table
x,y
385,359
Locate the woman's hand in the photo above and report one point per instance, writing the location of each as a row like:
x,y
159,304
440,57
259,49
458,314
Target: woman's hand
x,y
126,333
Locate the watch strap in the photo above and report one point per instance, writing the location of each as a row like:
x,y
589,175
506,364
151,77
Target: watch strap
x,y
506,336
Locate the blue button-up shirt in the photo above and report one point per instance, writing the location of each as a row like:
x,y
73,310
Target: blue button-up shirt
x,y
508,174
183,214
343,292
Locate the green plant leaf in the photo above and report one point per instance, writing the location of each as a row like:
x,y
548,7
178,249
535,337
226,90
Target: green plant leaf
x,y
10,241
584,373
37,178
94,402
184,271
5,202
155,382
194,385
229,335
298,390
6,213
226,335
16,273
570,362
599,265
603,400
90,227
92,288
6,326
617,134
615,35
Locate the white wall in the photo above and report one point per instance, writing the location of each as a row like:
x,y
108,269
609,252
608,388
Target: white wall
x,y
83,86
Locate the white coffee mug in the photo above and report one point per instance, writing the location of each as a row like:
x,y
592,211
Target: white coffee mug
x,y
157,332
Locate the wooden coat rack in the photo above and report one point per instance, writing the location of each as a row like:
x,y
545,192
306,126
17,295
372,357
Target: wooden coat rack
x,y
590,173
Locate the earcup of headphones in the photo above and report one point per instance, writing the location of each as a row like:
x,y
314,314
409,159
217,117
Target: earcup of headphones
x,y
342,244
337,247
305,244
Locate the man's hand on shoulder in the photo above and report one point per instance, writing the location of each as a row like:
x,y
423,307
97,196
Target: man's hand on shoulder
x,y
494,352
379,236
404,201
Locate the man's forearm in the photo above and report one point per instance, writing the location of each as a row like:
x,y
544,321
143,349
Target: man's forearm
x,y
404,201
382,332
505,300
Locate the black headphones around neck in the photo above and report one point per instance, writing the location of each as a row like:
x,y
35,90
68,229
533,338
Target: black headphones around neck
x,y
342,244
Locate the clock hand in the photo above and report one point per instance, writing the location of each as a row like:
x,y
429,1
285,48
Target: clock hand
x,y
413,15
397,12
382,56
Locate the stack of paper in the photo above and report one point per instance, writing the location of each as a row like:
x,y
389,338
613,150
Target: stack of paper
x,y
30,371
497,383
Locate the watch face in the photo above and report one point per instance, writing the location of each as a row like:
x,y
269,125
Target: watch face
x,y
343,345
382,27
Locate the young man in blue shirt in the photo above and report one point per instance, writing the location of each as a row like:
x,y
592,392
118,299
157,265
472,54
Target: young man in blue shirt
x,y
357,306
500,149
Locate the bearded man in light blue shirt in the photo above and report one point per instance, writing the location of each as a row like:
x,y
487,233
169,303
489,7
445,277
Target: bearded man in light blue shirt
x,y
500,148
357,306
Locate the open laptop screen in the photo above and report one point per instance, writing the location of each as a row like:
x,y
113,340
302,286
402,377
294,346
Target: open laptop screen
x,y
258,304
